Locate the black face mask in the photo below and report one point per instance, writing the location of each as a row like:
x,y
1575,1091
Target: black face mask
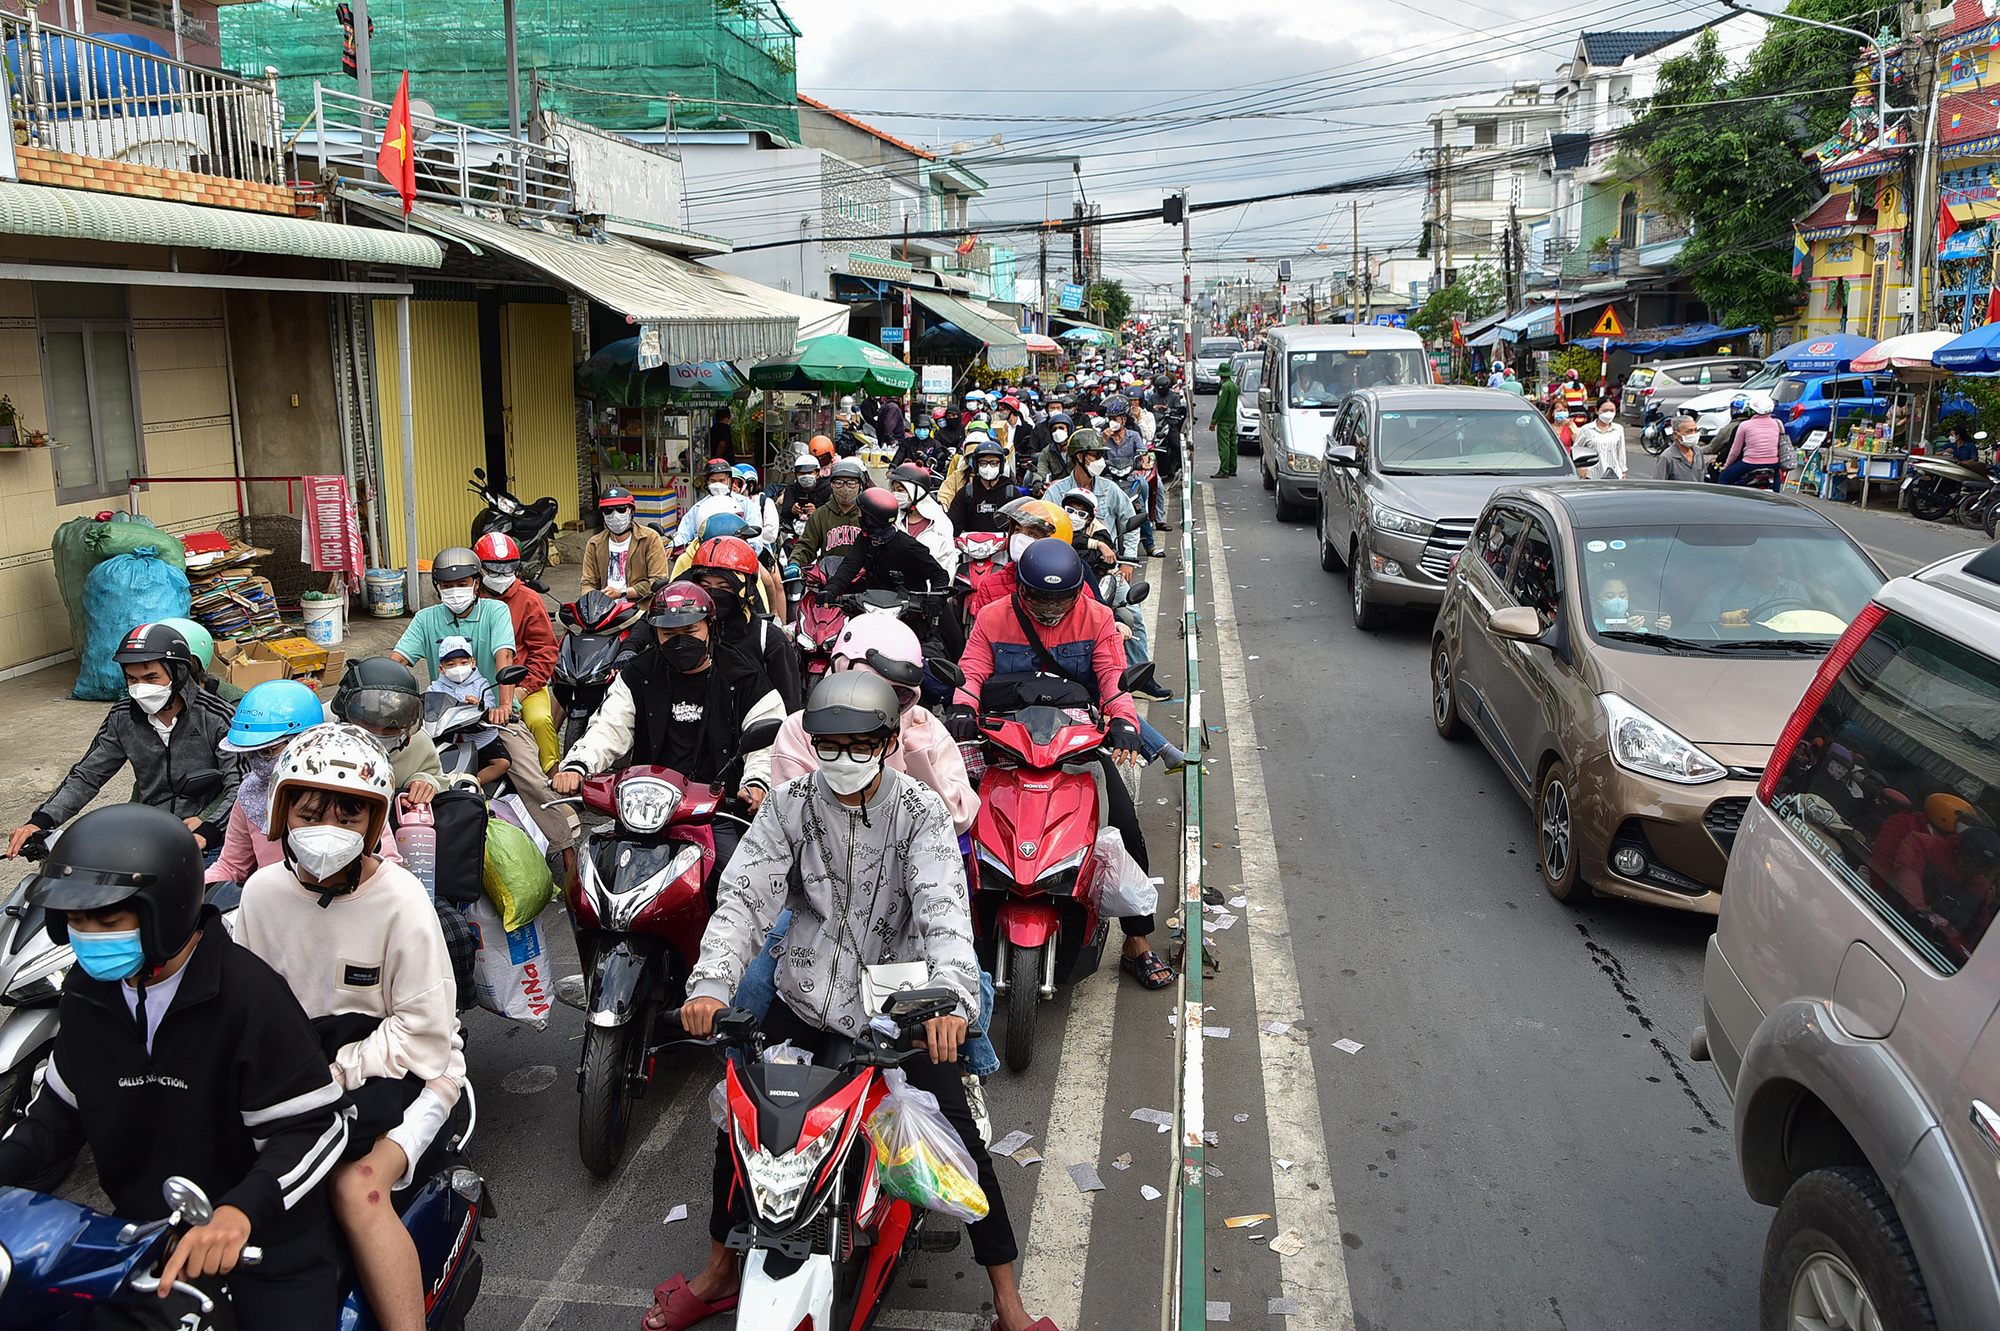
x,y
684,652
728,605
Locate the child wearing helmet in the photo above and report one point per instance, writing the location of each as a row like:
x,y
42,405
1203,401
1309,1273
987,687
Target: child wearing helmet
x,y
460,684
487,626
170,730
358,941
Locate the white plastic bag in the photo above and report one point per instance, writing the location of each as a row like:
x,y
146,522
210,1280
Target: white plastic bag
x,y
918,1155
1118,884
515,810
511,972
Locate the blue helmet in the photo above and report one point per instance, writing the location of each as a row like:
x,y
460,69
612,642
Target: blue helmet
x,y
743,471
270,713
1049,567
722,524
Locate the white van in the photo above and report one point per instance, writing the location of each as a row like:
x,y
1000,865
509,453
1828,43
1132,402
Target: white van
x,y
1308,369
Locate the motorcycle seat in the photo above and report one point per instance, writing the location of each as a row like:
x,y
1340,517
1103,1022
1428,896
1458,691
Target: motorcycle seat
x,y
545,505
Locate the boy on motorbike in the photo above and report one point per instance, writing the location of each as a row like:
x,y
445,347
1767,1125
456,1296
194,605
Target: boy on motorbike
x,y
872,853
359,943
834,526
460,684
180,1052
1075,637
170,731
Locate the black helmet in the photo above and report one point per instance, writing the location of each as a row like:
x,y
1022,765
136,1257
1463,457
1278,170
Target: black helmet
x,y
454,563
125,854
920,478
849,469
1163,383
878,510
159,642
379,691
852,702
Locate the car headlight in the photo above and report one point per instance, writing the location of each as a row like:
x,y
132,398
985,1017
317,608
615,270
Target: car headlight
x,y
1646,746
1308,462
645,803
778,1183
1384,518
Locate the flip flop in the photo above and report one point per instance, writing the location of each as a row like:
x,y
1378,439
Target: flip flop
x,y
1039,1324
1148,970
673,1297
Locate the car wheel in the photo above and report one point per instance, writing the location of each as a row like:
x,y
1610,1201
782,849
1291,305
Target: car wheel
x,y
1367,615
1555,830
1269,477
1444,701
1287,511
1329,557
1838,1256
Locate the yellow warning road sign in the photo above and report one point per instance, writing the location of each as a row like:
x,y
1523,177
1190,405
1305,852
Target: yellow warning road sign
x,y
1608,325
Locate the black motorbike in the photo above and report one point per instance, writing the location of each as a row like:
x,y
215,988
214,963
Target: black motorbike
x,y
598,641
531,525
1657,432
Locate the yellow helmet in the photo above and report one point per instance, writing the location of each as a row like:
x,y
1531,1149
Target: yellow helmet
x,y
1040,518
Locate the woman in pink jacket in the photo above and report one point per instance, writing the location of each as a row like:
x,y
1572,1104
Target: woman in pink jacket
x,y
1758,442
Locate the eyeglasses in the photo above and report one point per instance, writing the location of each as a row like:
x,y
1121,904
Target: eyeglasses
x,y
846,484
860,750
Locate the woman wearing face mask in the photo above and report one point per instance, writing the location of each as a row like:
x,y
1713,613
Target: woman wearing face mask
x,y
919,513
977,505
1605,437
271,716
359,943
171,732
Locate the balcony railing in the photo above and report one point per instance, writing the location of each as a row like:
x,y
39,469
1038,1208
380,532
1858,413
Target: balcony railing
x,y
457,165
112,98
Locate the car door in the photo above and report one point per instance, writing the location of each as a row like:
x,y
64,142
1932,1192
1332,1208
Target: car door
x,y
1484,566
1530,681
1972,1122
1342,480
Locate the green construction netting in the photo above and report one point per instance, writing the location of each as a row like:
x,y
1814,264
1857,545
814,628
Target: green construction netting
x,y
613,63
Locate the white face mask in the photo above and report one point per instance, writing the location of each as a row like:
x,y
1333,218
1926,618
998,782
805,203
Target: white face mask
x,y
1059,434
1095,468
1607,416
850,776
457,599
1017,544
323,851
497,583
458,674
718,488
151,697
617,522
989,471
902,497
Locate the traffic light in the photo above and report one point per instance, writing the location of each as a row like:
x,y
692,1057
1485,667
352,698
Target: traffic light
x,y
1170,210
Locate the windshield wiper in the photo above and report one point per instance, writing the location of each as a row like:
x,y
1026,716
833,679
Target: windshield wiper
x,y
1656,640
1794,645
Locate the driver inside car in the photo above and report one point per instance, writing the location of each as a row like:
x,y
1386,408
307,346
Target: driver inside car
x,y
1760,587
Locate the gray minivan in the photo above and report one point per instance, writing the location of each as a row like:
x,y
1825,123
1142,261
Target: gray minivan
x,y
1308,370
1851,998
1406,474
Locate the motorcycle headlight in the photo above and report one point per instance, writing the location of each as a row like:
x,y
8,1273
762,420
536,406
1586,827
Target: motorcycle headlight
x,y
1643,745
1068,862
778,1183
1384,518
645,803
40,984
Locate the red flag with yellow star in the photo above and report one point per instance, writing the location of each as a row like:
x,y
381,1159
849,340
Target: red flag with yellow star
x,y
397,158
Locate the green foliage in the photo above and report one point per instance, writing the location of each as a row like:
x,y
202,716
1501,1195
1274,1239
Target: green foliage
x,y
1586,361
1112,298
1474,295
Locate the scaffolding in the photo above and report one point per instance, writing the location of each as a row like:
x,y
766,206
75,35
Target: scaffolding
x,y
686,64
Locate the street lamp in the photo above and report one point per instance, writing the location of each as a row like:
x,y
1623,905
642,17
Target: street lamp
x,y
1881,56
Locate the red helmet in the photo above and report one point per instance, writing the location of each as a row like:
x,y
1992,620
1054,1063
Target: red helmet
x,y
497,547
730,553
718,467
679,604
617,497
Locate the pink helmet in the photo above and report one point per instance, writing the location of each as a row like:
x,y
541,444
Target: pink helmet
x,y
883,645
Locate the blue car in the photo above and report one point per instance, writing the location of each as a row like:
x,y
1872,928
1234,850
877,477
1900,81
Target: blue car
x,y
1807,402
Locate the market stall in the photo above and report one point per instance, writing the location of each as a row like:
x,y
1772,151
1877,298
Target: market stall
x,y
815,368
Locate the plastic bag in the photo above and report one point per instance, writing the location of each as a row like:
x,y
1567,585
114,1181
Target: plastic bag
x,y
511,971
119,595
81,544
1117,883
919,1156
517,879
515,810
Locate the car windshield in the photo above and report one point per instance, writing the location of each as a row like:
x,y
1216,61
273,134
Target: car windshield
x,y
1220,348
1248,382
1711,588
1323,378
1480,442
1767,374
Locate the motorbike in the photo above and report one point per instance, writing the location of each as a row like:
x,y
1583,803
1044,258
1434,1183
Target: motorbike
x,y
639,906
597,643
1936,487
1657,432
32,969
531,525
818,622
454,727
823,1240
1035,844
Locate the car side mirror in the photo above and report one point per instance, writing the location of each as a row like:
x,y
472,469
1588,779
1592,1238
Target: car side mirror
x,y
1342,455
760,735
1519,623
1135,676
1263,399
510,675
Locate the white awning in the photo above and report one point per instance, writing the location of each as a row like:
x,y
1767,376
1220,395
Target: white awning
x,y
816,318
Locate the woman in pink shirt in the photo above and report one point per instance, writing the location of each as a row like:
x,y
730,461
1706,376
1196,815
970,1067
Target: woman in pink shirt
x,y
1758,443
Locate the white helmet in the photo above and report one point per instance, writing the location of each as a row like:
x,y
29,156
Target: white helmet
x,y
847,404
1761,404
337,757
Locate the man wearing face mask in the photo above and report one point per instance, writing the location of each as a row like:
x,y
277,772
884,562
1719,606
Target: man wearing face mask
x,y
726,568
625,559
836,525
171,732
801,498
1088,461
888,557
977,505
486,624
719,479
1049,444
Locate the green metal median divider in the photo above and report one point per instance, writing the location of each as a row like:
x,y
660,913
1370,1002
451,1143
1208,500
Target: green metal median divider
x,y
1189,1306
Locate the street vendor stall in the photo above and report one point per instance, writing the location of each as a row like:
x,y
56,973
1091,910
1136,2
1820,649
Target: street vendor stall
x,y
831,365
647,425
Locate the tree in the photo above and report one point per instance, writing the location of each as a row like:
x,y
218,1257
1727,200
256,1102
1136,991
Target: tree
x,y
1473,295
1112,298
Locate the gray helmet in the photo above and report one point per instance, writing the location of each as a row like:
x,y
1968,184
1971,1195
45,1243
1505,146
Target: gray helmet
x,y
379,691
454,563
849,469
852,702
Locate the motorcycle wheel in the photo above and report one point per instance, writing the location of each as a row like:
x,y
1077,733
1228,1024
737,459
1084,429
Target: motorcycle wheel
x,y
1024,983
1991,520
17,1087
1927,502
573,727
605,1113
1655,444
1973,508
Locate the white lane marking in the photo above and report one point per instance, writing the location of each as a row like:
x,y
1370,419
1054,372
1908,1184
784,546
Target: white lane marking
x,y
1317,1276
617,1203
602,1296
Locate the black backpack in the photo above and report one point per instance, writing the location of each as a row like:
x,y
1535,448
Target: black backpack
x,y
460,819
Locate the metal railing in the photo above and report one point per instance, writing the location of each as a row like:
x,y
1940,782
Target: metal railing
x,y
99,97
457,164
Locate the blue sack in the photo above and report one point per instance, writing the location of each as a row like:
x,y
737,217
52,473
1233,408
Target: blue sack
x,y
120,594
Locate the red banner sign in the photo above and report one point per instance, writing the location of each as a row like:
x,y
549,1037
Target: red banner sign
x,y
331,532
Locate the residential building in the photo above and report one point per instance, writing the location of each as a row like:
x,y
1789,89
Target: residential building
x,y
1485,179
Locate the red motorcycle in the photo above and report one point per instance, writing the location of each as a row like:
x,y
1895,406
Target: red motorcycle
x,y
597,643
639,907
1035,842
819,622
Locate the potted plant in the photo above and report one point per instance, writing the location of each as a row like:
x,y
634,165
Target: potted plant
x,y
7,421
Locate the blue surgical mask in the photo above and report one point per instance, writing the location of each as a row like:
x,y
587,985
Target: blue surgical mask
x,y
1615,606
108,956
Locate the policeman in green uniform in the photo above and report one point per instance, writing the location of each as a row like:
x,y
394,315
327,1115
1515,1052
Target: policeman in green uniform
x,y
1223,422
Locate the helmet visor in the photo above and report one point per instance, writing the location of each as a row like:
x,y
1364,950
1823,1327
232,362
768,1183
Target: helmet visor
x,y
384,709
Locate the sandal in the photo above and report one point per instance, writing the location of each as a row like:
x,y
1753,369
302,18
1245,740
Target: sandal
x,y
1148,970
1039,1324
681,1309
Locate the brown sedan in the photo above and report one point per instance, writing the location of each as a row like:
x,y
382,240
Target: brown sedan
x,y
1628,652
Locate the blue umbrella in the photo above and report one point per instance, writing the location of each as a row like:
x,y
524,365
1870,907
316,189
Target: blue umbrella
x,y
1976,350
1822,355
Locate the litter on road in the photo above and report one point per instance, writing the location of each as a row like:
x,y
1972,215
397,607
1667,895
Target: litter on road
x,y
1286,1164
1274,1027
1217,1312
1123,1162
1245,1221
1025,1156
1242,1118
1282,1308
1160,1118
678,1213
1289,1244
1216,1032
1149,1192
1012,1142
1348,1046
1085,1176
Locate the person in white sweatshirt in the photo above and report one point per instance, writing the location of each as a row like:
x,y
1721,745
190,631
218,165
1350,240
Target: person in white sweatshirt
x,y
358,941
1605,437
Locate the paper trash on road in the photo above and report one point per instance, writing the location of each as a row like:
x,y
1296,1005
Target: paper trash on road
x,y
1149,1192
1123,1162
1289,1244
1025,1156
1245,1221
1286,1164
1282,1308
1274,1027
1242,1118
1216,1032
1085,1176
1348,1046
678,1213
1011,1143
1239,902
1212,1137
1159,1118
1217,1312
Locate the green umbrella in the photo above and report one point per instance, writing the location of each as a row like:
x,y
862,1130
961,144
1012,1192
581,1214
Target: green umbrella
x,y
845,363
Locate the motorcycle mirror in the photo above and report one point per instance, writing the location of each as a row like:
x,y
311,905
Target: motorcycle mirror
x,y
479,473
512,674
567,614
1135,676
945,671
185,1196
1979,434
201,785
760,735
1138,592
537,586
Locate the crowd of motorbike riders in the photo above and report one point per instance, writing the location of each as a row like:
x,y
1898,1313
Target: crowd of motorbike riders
x,y
298,1059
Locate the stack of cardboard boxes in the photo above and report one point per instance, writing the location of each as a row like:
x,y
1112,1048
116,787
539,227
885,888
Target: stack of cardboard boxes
x,y
246,664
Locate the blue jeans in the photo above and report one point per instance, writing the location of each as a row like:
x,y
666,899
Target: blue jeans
x,y
1734,473
1151,741
759,987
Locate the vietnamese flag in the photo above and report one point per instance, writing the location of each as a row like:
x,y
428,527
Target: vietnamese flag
x,y
965,246
396,159
1946,223
1993,305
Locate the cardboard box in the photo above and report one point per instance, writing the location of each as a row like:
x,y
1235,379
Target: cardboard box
x,y
251,664
246,664
304,656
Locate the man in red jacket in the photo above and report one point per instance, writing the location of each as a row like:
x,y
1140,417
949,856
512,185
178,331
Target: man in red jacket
x,y
534,649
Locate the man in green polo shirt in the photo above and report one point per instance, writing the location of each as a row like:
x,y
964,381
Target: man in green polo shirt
x,y
463,613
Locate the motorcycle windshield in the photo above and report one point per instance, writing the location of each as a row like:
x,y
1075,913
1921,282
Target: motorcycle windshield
x,y
784,1094
587,655
442,715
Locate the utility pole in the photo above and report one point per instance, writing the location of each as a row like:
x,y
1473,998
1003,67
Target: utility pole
x,y
1367,285
1516,277
514,105
1044,238
364,84
1354,261
1927,195
1445,224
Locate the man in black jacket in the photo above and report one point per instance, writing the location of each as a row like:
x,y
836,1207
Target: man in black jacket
x,y
181,1053
890,558
170,731
726,568
808,486
977,505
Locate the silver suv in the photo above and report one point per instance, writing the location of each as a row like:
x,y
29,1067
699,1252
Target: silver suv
x,y
1850,999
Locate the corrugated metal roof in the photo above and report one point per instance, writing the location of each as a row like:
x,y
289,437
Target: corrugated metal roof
x,y
1613,48
74,214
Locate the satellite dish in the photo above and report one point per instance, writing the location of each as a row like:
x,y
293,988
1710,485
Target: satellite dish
x,y
423,119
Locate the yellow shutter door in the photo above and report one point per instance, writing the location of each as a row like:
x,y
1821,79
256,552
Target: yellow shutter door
x,y
450,421
539,389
